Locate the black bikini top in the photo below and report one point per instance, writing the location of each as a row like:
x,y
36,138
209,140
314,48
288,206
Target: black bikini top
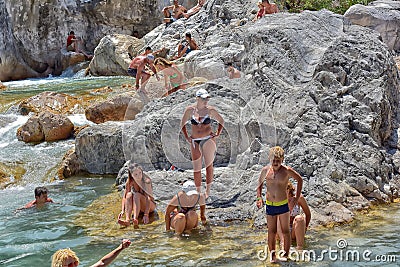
x,y
205,120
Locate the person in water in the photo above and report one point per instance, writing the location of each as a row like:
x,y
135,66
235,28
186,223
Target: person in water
x,y
202,138
138,197
67,257
181,212
173,77
40,198
299,221
276,177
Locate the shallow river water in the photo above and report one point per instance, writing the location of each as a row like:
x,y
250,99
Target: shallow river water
x,y
30,237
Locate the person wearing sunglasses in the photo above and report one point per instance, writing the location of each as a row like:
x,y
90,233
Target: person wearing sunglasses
x,y
202,139
67,257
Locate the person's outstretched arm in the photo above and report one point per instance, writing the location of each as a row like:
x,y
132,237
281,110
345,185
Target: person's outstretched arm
x,y
107,259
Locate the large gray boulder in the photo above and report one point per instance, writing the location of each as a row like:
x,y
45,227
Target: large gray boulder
x,y
99,148
111,55
382,16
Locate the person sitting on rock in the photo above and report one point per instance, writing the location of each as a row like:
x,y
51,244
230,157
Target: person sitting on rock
x,y
173,77
173,13
138,197
233,73
269,8
137,69
186,46
261,11
195,9
181,212
73,44
40,198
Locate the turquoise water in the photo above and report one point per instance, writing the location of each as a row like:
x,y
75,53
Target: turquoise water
x,y
30,237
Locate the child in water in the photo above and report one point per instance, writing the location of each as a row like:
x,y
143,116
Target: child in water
x,y
40,198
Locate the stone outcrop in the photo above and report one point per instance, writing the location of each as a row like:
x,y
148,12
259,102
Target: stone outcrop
x,y
69,166
10,173
382,16
70,58
58,103
119,108
99,148
111,55
45,126
325,90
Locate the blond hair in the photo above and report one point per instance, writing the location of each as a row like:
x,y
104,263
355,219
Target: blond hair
x,y
61,255
291,188
276,152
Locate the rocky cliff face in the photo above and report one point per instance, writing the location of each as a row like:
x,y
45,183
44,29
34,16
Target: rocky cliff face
x,y
32,33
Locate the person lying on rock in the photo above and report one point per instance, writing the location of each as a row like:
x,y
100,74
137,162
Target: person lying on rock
x,y
137,69
173,13
74,43
181,214
40,198
276,177
186,46
138,197
195,9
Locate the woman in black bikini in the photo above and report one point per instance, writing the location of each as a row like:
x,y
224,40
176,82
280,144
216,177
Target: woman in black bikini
x,y
202,138
138,197
181,212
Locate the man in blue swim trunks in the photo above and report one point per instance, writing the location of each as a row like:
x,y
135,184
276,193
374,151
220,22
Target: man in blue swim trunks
x,y
276,177
186,46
